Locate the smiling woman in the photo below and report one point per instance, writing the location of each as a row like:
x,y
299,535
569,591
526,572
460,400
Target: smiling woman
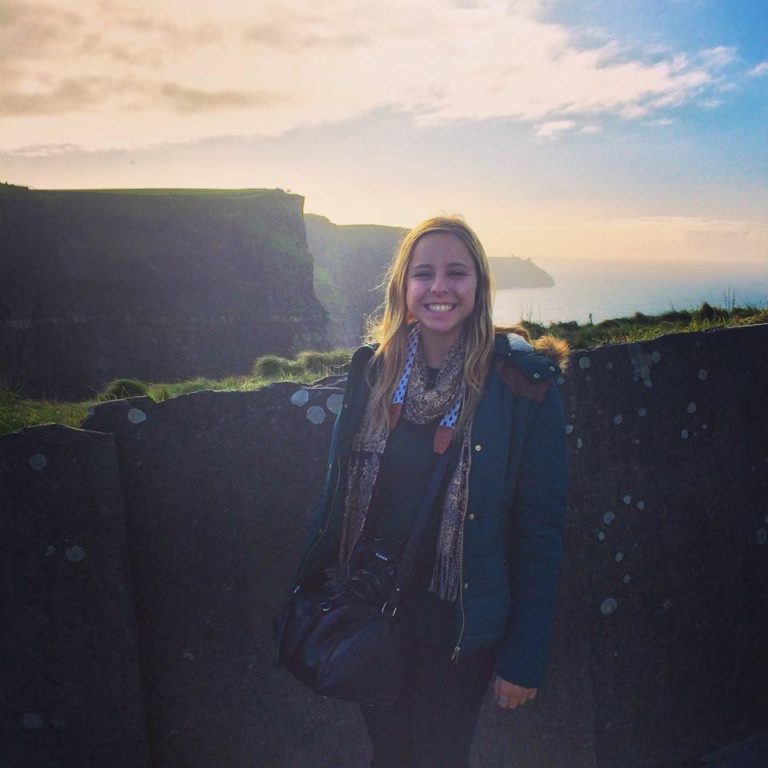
x,y
444,401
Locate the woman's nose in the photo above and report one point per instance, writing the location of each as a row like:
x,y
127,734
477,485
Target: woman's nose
x,y
439,284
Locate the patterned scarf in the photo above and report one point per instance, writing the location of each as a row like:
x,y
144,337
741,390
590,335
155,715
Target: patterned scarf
x,y
420,406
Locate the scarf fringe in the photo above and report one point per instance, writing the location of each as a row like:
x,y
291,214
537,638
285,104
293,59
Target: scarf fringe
x,y
445,578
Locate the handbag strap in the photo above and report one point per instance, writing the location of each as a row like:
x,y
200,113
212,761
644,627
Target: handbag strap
x,y
408,558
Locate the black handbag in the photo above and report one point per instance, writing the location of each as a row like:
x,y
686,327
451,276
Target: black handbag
x,y
342,638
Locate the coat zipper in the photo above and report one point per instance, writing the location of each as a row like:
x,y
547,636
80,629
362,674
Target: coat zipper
x,y
457,647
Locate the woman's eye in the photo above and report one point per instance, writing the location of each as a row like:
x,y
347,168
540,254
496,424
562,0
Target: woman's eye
x,y
452,273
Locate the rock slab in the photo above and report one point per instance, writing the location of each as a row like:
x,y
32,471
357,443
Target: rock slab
x,y
219,486
70,669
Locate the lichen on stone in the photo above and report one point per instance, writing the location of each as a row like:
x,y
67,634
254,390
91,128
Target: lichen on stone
x,y
316,414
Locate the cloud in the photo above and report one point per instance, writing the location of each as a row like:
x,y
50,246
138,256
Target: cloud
x,y
704,224
718,57
633,111
277,35
44,150
553,128
268,67
66,96
35,33
760,70
183,99
556,128
131,96
652,238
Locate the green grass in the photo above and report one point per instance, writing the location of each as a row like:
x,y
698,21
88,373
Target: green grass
x,y
153,191
307,366
180,191
17,413
120,388
642,327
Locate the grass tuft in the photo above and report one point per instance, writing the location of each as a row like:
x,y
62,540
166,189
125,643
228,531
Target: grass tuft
x,y
271,367
18,413
118,389
309,364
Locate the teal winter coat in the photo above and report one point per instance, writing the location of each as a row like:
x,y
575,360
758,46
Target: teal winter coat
x,y
515,511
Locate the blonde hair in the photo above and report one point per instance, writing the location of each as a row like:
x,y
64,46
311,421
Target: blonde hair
x,y
391,329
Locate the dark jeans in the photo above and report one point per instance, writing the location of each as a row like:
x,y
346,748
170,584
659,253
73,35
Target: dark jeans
x,y
432,724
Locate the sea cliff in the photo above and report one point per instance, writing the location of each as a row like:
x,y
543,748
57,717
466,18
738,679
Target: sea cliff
x,y
157,284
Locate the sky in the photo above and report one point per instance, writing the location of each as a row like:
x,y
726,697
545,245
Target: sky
x,y
621,129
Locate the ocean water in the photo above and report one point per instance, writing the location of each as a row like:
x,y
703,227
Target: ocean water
x,y
607,289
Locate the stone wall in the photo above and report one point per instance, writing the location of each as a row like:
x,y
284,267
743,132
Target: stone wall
x,y
659,652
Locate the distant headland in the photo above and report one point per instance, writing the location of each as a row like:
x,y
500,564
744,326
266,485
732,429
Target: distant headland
x,y
514,272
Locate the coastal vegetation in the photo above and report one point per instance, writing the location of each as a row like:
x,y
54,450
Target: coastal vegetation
x,y
309,366
642,327
17,412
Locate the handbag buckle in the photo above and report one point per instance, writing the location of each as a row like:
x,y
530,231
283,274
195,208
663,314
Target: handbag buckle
x,y
389,609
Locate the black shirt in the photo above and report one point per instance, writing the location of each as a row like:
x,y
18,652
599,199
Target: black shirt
x,y
406,467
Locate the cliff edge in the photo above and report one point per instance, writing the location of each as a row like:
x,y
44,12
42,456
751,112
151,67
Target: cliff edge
x,y
158,284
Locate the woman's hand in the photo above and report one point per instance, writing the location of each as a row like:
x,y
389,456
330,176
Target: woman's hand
x,y
509,696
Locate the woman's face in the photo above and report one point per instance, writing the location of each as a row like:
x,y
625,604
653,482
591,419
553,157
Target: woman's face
x,y
441,283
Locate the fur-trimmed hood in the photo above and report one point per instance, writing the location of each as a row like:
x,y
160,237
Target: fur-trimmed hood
x,y
547,349
557,350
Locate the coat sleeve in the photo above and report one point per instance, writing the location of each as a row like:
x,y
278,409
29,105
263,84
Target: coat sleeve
x,y
536,546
